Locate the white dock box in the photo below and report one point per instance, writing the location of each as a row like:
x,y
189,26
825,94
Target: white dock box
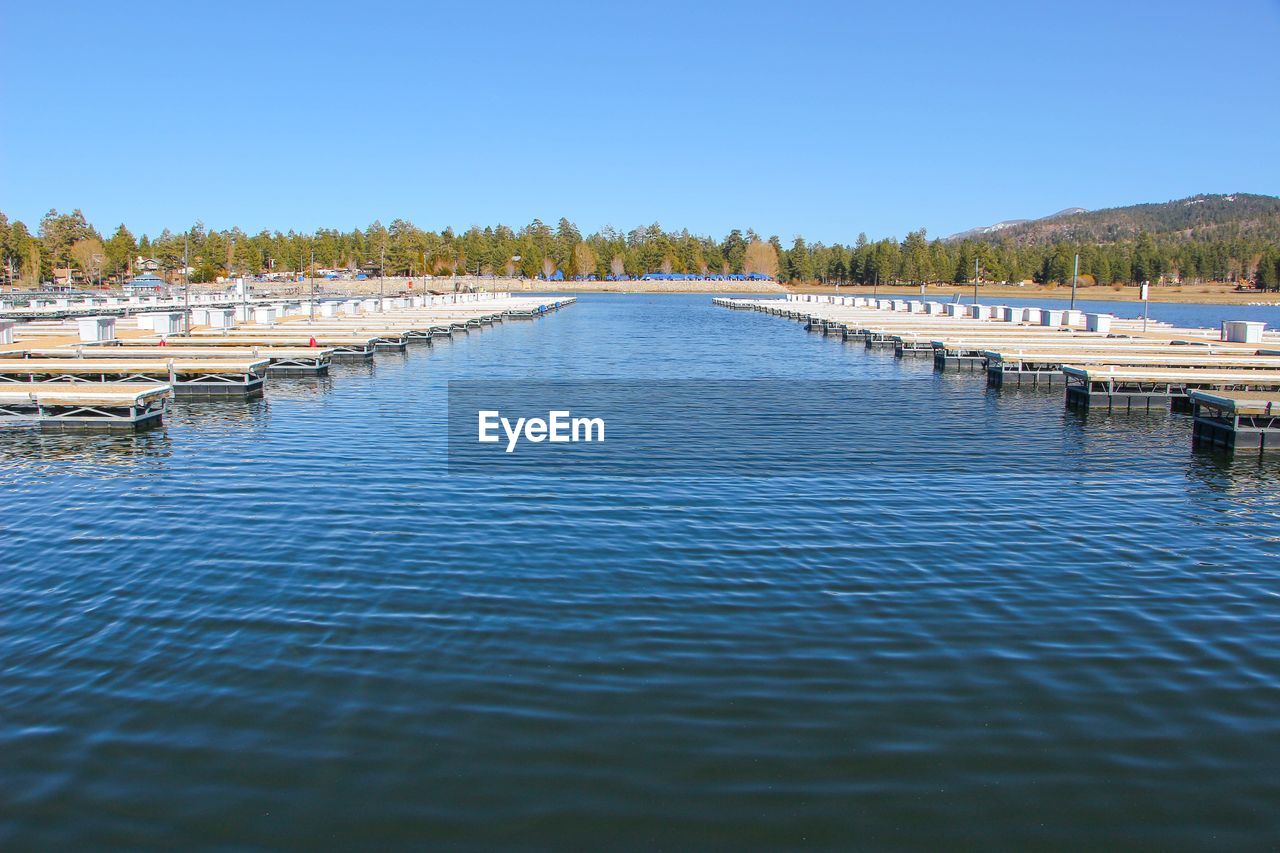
x,y
955,309
1031,315
6,331
1098,322
917,307
244,313
1050,317
979,312
328,309
1072,317
264,315
162,322
222,318
96,328
1243,331
1011,315
933,307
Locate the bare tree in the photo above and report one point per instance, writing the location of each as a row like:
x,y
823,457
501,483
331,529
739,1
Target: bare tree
x,y
88,255
760,258
584,260
548,267
617,266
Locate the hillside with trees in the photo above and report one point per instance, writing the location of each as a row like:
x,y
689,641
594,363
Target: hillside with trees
x,y
1206,238
1198,218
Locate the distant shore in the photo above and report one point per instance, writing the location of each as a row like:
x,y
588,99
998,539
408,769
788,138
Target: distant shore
x,y
1191,293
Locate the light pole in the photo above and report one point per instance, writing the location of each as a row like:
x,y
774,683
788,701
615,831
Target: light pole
x,y
186,274
1075,273
382,274
975,281
311,277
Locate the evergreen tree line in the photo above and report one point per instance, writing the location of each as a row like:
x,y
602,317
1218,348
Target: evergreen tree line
x,y
68,241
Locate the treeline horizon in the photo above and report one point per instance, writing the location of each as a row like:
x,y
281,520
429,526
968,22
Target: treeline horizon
x,y
68,241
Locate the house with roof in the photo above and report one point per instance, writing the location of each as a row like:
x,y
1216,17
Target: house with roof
x,y
146,284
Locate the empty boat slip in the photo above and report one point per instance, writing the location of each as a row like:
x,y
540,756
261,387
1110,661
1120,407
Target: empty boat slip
x,y
188,377
57,405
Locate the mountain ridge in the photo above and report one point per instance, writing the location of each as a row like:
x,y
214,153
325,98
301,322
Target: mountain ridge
x,y
1223,215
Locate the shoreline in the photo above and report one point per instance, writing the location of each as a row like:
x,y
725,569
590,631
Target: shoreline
x,y
1199,294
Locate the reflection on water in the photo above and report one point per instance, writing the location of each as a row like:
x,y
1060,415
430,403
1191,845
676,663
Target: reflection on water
x,y
30,451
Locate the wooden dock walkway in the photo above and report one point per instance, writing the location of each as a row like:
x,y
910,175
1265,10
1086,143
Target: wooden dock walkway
x,y
87,406
1235,420
187,377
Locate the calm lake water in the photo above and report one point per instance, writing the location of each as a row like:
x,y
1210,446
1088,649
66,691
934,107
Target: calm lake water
x,y
284,623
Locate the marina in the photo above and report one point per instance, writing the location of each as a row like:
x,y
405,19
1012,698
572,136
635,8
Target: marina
x,y
578,597
1099,361
56,359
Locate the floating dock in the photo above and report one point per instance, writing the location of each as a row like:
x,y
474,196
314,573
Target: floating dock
x,y
1134,389
1102,361
118,371
87,406
283,361
1235,421
1044,368
187,377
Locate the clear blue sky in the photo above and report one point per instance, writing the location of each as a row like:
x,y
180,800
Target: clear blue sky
x,y
820,118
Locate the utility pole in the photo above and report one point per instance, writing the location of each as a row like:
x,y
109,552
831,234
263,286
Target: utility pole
x,y
186,273
1075,274
311,276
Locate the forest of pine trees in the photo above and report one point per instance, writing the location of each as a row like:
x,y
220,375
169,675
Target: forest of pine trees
x,y
68,241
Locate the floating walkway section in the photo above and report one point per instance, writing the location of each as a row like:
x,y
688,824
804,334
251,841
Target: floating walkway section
x,y
1236,420
1132,389
187,378
83,406
283,361
1099,361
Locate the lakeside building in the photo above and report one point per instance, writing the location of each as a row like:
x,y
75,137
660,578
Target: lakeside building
x,y
146,284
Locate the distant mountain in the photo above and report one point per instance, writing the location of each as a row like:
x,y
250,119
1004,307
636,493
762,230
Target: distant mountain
x,y
1198,217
